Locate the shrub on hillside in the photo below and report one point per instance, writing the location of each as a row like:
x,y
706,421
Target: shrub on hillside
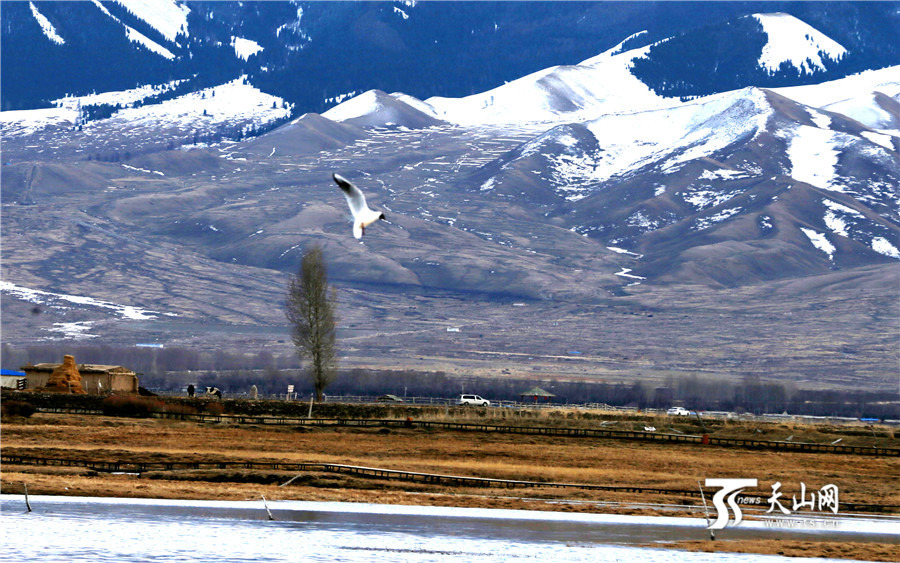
x,y
214,408
180,409
125,405
17,408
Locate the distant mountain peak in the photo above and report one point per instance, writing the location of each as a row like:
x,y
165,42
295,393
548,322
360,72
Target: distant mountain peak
x,y
795,42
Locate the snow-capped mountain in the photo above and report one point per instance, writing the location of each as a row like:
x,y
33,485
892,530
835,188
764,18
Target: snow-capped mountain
x,y
313,54
556,183
752,165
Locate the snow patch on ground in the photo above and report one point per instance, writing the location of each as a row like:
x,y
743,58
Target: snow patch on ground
x,y
46,26
53,299
819,241
707,222
73,331
165,16
357,106
618,250
597,86
795,42
120,98
879,139
245,48
233,101
852,96
136,36
625,274
707,197
814,154
838,217
723,174
882,245
821,120
677,134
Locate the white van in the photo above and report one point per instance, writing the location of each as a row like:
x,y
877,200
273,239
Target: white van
x,y
473,400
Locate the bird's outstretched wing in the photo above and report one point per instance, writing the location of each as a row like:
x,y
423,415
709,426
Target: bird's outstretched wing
x,y
355,198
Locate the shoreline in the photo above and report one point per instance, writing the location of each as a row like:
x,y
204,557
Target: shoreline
x,y
638,531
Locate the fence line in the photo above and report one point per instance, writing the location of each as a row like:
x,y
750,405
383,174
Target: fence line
x,y
703,440
367,472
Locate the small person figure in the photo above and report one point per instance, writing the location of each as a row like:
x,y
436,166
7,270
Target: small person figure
x,y
190,390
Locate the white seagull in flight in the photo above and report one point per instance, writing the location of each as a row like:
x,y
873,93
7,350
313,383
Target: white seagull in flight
x,y
362,215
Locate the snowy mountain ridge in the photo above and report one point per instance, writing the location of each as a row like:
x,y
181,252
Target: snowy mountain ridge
x,y
712,161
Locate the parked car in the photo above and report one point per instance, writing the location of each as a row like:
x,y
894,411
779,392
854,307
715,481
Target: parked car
x,y
473,400
678,411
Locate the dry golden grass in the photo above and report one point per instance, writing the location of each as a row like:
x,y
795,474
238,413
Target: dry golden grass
x,y
861,479
502,456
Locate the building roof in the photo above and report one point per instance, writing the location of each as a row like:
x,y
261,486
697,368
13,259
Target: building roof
x,y
12,373
82,368
536,392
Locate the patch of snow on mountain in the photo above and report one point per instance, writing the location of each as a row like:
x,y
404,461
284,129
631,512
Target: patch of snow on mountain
x,y
53,299
597,86
233,101
821,120
364,104
882,245
707,222
625,273
795,42
840,218
46,26
723,174
137,37
20,123
813,155
618,250
835,206
640,219
415,103
119,98
819,241
26,122
245,48
165,16
706,197
73,331
879,139
680,134
852,96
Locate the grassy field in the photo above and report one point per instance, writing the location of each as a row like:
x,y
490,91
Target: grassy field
x,y
861,479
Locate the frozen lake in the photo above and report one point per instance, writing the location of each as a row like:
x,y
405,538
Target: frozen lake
x,y
129,530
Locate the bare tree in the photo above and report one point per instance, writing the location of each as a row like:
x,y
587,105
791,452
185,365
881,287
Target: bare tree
x,y
310,308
